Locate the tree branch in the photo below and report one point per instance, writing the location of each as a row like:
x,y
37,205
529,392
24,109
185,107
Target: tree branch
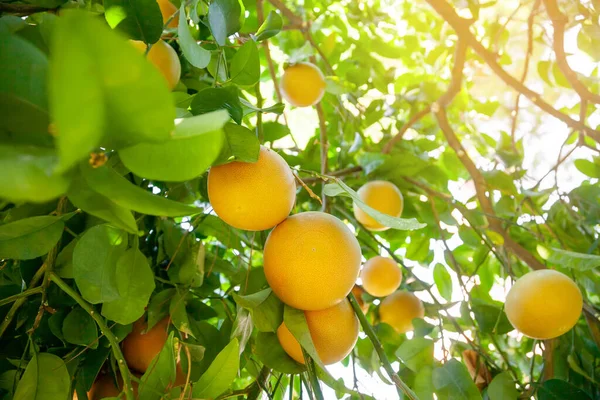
x,y
398,136
22,10
559,22
461,26
289,14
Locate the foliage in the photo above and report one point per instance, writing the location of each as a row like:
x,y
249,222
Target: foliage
x,y
105,217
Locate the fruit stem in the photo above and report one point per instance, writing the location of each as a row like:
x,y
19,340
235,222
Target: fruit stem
x,y
379,349
311,370
104,329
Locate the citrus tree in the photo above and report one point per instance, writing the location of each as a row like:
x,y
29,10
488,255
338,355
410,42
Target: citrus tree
x,y
214,199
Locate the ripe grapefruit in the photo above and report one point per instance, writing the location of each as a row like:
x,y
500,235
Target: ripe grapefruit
x,y
334,332
253,196
399,309
383,196
167,9
303,84
164,58
311,260
544,304
381,276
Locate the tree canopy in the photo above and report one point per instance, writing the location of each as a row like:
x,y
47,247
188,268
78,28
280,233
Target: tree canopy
x,y
482,113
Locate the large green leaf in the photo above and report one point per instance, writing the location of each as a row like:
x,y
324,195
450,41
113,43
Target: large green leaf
x,y
193,147
102,87
30,237
224,19
221,373
245,65
295,321
557,389
196,55
135,284
453,382
573,260
502,387
416,353
95,261
243,144
443,281
270,353
46,378
271,27
119,190
339,188
23,98
138,19
26,173
212,99
80,328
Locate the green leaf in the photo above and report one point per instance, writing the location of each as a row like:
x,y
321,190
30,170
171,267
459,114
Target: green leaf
x,y
138,19
194,146
270,353
340,188
491,319
270,27
99,83
501,181
556,389
443,281
63,266
588,168
423,385
80,328
89,368
224,19
135,283
26,174
159,306
543,68
243,144
573,260
242,327
95,263
178,312
502,387
453,382
23,98
122,192
189,269
253,300
276,108
416,353
295,321
46,378
245,65
221,373
196,55
269,315
30,237
274,130
83,197
160,374
217,98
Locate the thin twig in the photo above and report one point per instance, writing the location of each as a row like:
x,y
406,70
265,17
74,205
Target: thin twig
x,y
26,293
398,136
289,14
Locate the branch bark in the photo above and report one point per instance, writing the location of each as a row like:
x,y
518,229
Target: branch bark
x,y
461,26
559,22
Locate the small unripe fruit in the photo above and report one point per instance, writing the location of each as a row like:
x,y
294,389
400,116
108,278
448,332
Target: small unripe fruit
x,y
544,304
303,85
384,197
253,196
311,260
399,309
381,276
334,332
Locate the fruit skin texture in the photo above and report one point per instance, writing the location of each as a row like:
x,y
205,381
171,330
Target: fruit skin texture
x,y
253,196
399,309
383,196
381,276
334,332
164,58
543,304
311,260
303,84
167,9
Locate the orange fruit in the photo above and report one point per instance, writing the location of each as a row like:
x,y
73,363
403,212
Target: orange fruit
x,y
383,196
253,196
544,304
311,260
104,386
357,291
334,332
399,309
303,84
164,58
167,9
381,276
139,349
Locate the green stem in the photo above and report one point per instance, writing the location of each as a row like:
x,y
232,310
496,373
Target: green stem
x,y
18,303
114,343
18,296
311,370
259,122
379,349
